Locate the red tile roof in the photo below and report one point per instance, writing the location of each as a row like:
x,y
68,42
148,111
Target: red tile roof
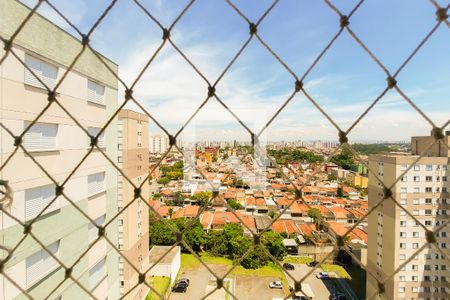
x,y
187,212
360,234
285,226
337,228
307,228
206,219
163,211
339,212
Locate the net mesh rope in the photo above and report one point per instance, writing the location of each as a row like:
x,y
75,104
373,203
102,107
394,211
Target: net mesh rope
x,y
343,23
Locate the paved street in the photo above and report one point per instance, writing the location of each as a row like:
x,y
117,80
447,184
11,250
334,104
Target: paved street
x,y
256,288
321,288
199,279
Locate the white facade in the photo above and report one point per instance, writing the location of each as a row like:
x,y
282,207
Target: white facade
x,y
58,144
158,144
169,265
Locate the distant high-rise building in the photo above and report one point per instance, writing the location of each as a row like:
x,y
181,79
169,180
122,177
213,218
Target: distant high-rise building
x,y
158,144
133,159
394,236
89,93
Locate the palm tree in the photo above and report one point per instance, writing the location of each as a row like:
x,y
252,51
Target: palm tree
x,y
315,214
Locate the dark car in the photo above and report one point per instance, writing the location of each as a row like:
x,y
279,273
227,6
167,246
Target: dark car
x,y
295,297
184,280
337,296
180,287
313,263
288,266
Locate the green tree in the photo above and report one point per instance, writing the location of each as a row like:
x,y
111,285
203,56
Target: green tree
x,y
178,198
164,181
274,243
344,159
239,245
234,204
216,243
175,175
316,215
161,234
202,197
340,191
271,214
257,258
178,165
331,177
194,236
232,230
170,212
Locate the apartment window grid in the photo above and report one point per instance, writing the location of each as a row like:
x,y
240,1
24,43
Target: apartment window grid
x,y
45,77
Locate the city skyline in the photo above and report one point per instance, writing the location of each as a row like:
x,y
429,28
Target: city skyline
x,y
344,83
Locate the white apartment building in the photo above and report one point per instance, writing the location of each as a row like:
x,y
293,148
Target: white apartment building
x,y
395,236
158,144
89,93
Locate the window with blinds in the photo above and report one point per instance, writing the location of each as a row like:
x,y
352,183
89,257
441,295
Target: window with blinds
x,y
40,264
97,273
96,93
101,139
46,72
96,183
36,199
40,137
92,230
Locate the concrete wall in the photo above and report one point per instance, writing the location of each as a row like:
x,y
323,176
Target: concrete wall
x,y
168,269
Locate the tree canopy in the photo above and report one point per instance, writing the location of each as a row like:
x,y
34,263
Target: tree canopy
x,y
286,155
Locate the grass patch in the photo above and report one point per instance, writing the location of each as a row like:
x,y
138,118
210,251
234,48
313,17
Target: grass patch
x,y
358,281
297,260
209,259
160,284
189,261
340,271
227,286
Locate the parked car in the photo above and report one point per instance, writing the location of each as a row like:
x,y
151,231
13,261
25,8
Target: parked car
x,y
276,285
337,296
313,263
180,287
295,297
322,275
184,280
288,266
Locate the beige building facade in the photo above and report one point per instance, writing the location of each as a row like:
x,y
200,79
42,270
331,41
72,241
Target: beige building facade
x,y
57,143
133,159
395,236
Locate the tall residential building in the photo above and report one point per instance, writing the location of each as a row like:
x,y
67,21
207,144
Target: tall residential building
x,y
394,236
133,159
158,144
89,93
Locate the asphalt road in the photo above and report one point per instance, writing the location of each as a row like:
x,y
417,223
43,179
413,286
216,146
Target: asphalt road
x,y
321,288
256,288
198,281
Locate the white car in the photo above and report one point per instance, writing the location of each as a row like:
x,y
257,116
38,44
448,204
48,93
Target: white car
x,y
276,285
322,275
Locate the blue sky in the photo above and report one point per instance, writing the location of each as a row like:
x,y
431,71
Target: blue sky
x,y
344,82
